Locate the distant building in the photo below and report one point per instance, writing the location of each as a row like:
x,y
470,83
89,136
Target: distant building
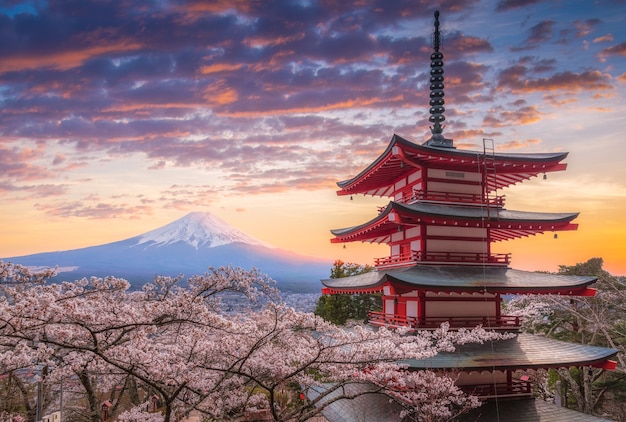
x,y
444,214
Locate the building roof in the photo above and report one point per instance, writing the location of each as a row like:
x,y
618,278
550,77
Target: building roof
x,y
503,224
376,407
524,351
401,157
459,278
526,410
368,405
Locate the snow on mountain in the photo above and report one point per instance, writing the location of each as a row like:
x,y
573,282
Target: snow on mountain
x,y
186,246
199,229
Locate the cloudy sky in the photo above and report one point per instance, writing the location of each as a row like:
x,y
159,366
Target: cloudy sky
x,y
119,116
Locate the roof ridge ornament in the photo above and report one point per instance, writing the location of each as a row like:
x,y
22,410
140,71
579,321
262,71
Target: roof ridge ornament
x,y
436,92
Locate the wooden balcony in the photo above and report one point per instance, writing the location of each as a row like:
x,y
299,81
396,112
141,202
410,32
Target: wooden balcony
x,y
442,258
516,388
521,388
453,198
503,322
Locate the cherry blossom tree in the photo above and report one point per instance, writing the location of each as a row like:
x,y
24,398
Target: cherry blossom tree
x,y
169,349
596,320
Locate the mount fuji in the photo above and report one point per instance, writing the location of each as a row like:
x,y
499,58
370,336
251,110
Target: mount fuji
x,y
186,246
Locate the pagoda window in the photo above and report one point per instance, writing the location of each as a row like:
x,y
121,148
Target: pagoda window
x,y
400,184
397,236
389,299
411,308
415,178
412,232
395,250
390,306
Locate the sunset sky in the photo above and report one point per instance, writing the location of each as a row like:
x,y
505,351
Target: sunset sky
x,y
117,117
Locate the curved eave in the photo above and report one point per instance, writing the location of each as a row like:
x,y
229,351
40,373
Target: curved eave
x,y
525,351
377,230
463,279
502,224
401,157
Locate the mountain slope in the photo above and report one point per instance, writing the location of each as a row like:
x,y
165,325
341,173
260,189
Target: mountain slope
x,y
186,246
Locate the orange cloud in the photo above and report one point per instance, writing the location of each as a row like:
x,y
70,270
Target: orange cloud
x,y
615,50
607,37
517,143
63,60
516,79
219,68
218,94
259,41
522,116
343,105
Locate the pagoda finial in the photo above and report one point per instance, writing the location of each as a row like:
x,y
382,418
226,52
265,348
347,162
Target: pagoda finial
x,y
436,35
436,92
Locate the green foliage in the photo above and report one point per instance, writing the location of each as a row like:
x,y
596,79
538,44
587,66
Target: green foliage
x,y
339,308
342,269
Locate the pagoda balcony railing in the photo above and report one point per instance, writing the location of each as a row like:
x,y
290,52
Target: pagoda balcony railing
x,y
415,257
453,198
428,323
515,388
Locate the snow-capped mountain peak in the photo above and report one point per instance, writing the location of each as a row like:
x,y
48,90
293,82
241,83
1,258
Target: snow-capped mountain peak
x,y
199,229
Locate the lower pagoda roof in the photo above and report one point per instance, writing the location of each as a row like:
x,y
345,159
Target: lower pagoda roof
x,y
524,351
460,278
376,407
526,410
503,224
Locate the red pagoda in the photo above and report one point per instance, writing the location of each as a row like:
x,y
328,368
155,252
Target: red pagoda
x,y
445,212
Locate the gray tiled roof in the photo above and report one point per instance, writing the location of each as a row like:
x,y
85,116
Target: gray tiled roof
x,y
462,278
526,410
367,407
377,407
524,351
463,212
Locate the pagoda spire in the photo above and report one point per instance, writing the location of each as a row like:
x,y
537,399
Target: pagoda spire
x,y
436,92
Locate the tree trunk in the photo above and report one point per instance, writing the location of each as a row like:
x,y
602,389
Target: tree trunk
x,y
588,389
575,389
94,405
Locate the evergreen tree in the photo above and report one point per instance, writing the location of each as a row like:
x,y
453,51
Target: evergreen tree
x,y
339,308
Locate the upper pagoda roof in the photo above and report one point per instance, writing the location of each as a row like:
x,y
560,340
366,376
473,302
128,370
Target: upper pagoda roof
x,y
401,157
503,224
460,278
524,351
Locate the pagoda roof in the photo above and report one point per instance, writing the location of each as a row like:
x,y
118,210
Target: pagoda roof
x,y
401,157
374,406
526,410
459,278
503,224
368,403
524,351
